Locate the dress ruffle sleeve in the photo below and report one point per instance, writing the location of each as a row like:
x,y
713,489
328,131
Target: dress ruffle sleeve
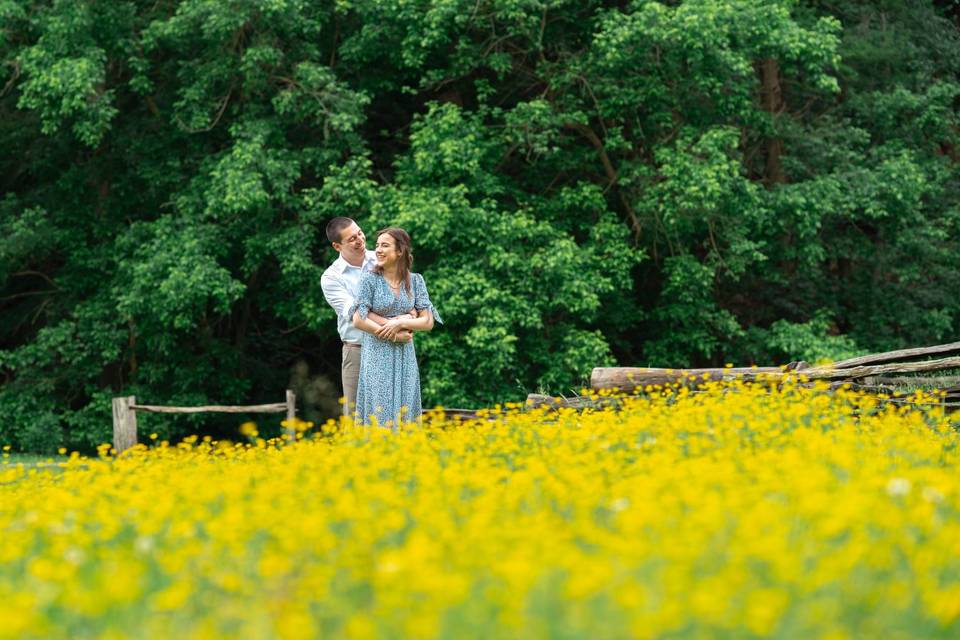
x,y
421,299
364,299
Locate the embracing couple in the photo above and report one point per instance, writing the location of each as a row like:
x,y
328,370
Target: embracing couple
x,y
379,304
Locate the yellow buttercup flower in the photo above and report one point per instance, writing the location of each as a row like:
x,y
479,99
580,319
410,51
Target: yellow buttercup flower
x,y
732,510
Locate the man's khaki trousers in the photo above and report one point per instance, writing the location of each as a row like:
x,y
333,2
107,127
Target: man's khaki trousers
x,y
350,375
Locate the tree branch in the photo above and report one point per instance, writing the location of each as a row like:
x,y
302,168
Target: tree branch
x,y
216,120
13,78
611,172
27,294
30,272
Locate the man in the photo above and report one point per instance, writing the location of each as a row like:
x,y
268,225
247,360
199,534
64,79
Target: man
x,y
339,283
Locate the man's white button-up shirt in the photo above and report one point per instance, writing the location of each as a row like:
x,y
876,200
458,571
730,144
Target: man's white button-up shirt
x,y
339,283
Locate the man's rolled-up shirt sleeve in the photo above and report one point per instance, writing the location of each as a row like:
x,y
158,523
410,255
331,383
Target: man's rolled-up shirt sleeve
x,y
336,294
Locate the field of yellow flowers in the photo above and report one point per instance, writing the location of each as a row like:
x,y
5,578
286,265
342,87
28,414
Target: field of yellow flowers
x,y
741,511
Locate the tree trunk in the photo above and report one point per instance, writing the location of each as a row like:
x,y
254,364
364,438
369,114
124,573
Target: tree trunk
x,y
772,100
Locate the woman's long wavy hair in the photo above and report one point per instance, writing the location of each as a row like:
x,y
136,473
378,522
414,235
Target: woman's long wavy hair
x,y
405,260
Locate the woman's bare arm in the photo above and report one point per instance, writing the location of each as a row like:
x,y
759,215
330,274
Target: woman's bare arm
x,y
402,336
423,322
396,334
365,324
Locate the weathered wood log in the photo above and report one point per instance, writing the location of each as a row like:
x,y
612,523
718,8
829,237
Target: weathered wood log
x,y
902,401
124,423
630,378
279,407
897,356
460,414
938,382
537,400
852,373
868,385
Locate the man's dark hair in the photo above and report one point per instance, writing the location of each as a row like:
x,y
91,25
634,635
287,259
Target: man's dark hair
x,y
336,226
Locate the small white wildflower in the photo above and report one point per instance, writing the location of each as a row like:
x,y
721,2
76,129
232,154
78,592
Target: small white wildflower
x,y
143,544
898,486
619,504
73,555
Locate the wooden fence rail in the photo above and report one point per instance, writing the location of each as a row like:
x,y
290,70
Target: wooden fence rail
x,y
628,379
868,373
878,364
125,415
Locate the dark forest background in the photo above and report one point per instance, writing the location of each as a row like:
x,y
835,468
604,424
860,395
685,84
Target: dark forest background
x,y
586,183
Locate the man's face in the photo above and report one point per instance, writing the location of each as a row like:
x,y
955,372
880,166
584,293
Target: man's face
x,y
352,241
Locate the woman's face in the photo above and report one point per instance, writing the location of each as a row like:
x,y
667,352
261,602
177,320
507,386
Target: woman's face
x,y
386,251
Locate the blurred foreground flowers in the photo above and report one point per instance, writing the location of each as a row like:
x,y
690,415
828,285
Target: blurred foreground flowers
x,y
741,511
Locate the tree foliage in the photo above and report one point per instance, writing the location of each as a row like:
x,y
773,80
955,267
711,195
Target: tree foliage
x,y
589,182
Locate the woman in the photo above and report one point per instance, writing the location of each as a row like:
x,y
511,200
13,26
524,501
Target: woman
x,y
389,387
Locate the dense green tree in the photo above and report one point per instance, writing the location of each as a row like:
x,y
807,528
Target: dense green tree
x,y
586,182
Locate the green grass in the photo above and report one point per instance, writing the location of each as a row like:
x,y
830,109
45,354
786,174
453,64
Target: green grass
x,y
31,459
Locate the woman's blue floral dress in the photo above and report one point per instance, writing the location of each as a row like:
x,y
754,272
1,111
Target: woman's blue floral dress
x,y
389,389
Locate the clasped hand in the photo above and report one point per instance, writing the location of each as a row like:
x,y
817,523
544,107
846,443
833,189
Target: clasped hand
x,y
394,331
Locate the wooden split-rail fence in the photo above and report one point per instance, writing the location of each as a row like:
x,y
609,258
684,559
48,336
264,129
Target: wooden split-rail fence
x,y
878,373
125,415
885,372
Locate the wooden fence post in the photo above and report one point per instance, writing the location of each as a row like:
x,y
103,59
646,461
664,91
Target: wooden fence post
x,y
291,413
124,423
